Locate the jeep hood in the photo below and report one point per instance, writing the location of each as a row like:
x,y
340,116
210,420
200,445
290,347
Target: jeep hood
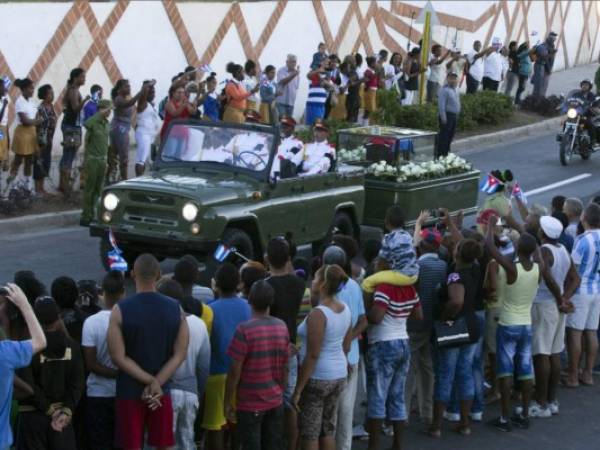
x,y
206,190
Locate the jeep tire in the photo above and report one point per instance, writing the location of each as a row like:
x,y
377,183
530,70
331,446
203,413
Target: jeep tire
x,y
234,237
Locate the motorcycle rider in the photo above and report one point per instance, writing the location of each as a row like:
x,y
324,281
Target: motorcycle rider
x,y
590,104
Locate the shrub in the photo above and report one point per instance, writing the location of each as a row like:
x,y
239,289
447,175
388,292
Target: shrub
x,y
305,135
482,108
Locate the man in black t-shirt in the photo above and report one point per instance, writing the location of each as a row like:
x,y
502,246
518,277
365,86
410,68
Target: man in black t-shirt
x,y
289,290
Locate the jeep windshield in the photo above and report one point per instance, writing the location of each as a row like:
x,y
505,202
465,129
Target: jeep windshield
x,y
244,148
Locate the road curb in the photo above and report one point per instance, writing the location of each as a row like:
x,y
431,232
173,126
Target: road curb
x,y
498,137
39,222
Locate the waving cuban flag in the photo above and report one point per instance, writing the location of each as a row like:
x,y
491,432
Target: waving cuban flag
x,y
517,192
222,252
115,258
489,184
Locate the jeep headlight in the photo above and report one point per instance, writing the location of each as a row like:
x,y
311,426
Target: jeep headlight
x,y
572,113
110,202
189,212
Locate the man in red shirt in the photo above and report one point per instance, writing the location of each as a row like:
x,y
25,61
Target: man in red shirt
x,y
258,373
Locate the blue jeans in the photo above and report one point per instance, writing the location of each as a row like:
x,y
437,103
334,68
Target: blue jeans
x,y
387,367
478,378
292,379
455,364
282,109
513,348
313,112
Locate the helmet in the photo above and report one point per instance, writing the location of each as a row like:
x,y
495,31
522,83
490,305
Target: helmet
x,y
588,81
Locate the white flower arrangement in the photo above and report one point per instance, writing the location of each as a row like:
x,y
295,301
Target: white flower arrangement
x,y
356,154
446,165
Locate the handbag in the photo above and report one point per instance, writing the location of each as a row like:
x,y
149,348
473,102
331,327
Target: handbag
x,y
451,333
71,136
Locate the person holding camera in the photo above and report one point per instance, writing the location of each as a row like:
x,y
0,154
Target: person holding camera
x,y
15,355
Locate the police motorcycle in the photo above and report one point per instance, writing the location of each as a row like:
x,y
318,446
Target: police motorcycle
x,y
580,124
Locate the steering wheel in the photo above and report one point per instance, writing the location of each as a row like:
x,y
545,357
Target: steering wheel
x,y
260,165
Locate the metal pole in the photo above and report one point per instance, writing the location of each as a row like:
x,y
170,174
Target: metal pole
x,y
424,56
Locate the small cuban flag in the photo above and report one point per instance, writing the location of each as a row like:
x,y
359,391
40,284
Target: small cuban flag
x,y
6,82
489,184
205,68
222,252
115,258
116,261
517,192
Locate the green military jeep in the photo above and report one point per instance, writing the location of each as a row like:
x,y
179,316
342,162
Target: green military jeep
x,y
213,183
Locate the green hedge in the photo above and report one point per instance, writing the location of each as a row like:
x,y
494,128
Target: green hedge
x,y
305,135
482,108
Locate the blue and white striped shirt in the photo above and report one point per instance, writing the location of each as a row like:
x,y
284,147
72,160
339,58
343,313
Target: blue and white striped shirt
x,y
586,256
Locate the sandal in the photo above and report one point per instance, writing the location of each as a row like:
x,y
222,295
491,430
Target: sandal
x,y
464,430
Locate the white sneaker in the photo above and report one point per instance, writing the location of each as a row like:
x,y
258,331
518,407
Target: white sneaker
x,y
388,430
477,417
451,417
553,407
536,410
359,432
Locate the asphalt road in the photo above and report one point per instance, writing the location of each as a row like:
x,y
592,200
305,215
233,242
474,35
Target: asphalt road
x,y
535,164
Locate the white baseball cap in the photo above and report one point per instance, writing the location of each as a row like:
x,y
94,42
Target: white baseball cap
x,y
551,227
496,41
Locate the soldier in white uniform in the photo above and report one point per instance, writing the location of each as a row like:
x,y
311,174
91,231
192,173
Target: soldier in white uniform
x,y
251,147
318,155
290,149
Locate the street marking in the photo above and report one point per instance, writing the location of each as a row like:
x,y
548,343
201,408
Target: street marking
x,y
549,187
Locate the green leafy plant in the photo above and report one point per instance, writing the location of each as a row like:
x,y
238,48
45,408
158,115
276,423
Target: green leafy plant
x,y
482,108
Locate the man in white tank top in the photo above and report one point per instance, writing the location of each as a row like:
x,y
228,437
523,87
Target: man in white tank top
x,y
548,317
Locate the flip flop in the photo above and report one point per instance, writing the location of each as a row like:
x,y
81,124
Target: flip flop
x,y
585,383
566,384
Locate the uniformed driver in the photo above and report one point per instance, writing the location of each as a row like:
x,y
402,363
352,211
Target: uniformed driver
x,y
318,155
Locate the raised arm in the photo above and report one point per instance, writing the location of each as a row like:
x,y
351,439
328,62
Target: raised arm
x,y
507,265
38,338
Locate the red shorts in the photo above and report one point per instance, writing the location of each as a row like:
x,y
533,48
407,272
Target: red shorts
x,y
133,417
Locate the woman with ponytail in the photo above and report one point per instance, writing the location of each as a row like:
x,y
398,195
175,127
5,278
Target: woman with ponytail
x,y
24,142
326,337
71,126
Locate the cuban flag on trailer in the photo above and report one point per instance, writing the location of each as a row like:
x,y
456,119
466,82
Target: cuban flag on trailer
x,y
489,184
222,252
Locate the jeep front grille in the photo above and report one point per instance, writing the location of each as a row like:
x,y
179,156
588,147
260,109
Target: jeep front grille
x,y
152,199
151,217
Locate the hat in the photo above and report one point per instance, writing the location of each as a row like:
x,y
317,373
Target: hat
x,y
455,50
320,125
552,34
484,217
453,74
46,310
104,104
431,236
496,42
551,227
252,116
334,255
287,120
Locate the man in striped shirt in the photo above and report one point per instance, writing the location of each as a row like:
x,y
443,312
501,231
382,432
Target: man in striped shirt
x,y
258,373
317,93
585,318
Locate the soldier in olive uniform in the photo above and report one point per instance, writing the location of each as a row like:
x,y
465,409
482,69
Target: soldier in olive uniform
x,y
96,150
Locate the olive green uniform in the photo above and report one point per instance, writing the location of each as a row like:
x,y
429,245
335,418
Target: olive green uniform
x,y
96,150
